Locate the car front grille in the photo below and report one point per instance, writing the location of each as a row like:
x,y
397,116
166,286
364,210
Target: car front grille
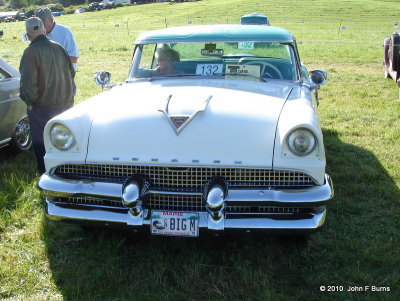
x,y
152,202
190,178
175,203
262,209
179,203
92,201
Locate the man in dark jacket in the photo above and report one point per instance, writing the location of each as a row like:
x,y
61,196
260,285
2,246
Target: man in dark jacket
x,y
47,83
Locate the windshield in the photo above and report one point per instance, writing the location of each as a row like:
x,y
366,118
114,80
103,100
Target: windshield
x,y
234,60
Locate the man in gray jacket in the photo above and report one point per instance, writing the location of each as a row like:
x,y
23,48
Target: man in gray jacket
x,y
47,83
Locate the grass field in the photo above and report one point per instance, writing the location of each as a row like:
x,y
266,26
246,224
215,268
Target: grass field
x,y
358,247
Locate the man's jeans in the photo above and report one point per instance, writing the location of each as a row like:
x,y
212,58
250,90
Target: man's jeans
x,y
38,117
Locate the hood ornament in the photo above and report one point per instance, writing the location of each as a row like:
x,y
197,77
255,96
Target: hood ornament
x,y
179,122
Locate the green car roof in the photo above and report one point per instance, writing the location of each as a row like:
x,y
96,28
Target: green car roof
x,y
216,33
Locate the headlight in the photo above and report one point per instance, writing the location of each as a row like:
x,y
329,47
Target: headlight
x,y
301,142
61,137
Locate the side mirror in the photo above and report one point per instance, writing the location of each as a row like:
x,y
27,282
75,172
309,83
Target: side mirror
x,y
319,77
102,78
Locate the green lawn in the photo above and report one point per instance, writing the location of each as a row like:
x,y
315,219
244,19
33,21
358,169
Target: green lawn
x,y
360,114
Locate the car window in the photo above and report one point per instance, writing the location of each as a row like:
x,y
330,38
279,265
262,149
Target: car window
x,y
2,74
254,60
305,75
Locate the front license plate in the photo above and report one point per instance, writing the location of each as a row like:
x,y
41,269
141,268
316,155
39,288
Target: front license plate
x,y
175,223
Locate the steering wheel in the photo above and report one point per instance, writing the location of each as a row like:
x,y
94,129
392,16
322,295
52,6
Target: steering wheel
x,y
264,66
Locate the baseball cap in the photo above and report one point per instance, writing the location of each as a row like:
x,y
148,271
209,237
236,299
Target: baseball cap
x,y
43,13
34,25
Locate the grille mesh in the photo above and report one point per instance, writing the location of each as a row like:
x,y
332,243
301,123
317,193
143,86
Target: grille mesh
x,y
189,178
153,202
87,200
262,209
180,203
175,203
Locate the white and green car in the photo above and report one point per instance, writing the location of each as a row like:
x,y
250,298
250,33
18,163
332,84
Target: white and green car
x,y
230,140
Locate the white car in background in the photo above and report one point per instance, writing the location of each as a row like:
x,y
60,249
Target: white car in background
x,y
230,140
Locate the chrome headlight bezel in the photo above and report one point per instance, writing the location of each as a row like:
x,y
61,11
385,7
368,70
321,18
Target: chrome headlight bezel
x,y
301,141
61,137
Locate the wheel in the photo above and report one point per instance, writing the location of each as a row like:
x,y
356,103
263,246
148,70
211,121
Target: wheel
x,y
394,49
264,66
21,139
386,63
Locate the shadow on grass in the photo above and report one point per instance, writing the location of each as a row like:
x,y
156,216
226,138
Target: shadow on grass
x,y
109,264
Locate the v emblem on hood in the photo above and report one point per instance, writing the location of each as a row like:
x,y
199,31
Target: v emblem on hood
x,y
179,122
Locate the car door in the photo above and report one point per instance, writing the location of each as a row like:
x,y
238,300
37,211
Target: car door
x,y
11,106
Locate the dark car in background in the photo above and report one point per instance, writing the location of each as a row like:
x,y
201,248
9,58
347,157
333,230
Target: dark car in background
x,y
391,48
9,19
14,125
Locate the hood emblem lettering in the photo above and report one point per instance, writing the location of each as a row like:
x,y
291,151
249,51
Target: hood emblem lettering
x,y
179,122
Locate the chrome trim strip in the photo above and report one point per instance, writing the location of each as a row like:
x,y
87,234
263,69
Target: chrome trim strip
x,y
54,187
58,213
318,194
5,141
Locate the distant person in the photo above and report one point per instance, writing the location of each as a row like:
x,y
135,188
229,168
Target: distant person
x,y
47,83
166,59
59,33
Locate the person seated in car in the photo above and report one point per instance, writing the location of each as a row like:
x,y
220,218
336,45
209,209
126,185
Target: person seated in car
x,y
166,59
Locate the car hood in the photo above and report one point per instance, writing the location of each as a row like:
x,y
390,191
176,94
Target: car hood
x,y
228,123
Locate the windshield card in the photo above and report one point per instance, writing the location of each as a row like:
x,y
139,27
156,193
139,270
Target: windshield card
x,y
212,52
251,70
246,45
209,69
173,223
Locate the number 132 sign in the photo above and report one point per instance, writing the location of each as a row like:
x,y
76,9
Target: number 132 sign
x,y
209,69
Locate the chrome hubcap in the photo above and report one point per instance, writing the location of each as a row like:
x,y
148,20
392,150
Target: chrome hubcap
x,y
22,133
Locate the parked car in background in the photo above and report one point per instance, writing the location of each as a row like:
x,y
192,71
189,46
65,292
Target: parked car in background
x,y
14,125
79,10
254,19
9,19
95,6
109,4
57,14
227,137
20,17
391,55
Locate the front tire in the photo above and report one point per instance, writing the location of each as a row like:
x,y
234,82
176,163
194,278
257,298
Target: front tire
x,y
21,139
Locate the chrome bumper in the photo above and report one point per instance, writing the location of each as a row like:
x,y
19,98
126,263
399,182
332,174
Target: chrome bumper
x,y
53,188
